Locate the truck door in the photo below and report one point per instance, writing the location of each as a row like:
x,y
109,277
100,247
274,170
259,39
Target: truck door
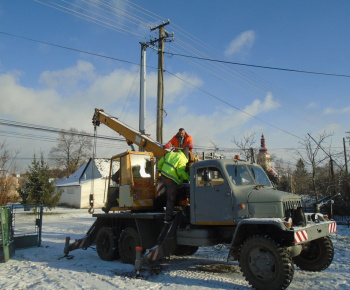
x,y
213,198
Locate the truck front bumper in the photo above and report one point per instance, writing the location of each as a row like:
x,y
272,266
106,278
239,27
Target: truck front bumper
x,y
313,231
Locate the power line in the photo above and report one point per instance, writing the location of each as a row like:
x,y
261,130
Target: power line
x,y
103,21
135,18
69,48
54,130
177,54
116,59
258,66
129,62
238,109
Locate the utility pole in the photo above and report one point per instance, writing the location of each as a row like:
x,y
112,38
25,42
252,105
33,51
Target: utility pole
x,y
163,35
142,88
332,175
346,161
142,113
252,155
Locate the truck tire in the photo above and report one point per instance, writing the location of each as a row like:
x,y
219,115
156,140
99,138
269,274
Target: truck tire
x,y
106,244
182,250
128,240
316,256
264,264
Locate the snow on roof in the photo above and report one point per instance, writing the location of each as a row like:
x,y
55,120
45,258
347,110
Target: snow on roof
x,y
103,165
74,178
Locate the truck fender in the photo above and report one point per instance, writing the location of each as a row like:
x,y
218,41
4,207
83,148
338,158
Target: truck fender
x,y
248,227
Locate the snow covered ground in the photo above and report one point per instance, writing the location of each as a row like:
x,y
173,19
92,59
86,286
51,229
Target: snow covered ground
x,y
41,268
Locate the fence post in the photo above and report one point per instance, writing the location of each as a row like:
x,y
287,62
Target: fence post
x,y
7,245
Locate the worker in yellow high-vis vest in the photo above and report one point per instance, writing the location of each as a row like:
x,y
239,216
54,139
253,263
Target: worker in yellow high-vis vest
x,y
172,168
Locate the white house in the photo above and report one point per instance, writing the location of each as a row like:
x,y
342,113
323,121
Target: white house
x,y
91,177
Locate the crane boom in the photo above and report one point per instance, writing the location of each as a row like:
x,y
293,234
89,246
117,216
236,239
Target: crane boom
x,y
131,135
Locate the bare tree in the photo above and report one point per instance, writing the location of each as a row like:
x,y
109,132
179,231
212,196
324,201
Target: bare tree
x,y
245,146
72,150
312,157
8,167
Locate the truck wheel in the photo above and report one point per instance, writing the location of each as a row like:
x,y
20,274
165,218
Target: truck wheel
x,y
264,264
182,250
129,239
316,255
106,244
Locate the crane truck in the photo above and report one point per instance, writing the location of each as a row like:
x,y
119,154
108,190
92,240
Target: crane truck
x,y
226,201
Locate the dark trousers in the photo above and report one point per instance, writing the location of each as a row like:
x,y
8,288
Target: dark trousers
x,y
112,199
171,189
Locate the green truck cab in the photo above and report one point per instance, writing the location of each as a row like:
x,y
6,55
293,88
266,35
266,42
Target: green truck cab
x,y
234,202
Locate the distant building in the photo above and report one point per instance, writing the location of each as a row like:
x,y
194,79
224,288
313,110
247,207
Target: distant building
x,y
91,177
264,158
8,186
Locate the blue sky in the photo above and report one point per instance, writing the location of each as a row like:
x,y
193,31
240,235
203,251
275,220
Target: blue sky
x,y
45,85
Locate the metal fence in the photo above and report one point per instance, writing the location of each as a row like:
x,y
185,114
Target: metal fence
x,y
20,228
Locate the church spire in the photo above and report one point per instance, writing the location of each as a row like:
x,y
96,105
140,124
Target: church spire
x,y
262,145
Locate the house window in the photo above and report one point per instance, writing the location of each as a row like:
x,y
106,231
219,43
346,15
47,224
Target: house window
x,y
70,190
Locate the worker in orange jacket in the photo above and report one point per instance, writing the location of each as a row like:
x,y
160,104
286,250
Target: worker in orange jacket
x,y
180,140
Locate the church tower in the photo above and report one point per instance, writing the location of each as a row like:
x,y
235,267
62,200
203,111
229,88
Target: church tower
x,y
264,158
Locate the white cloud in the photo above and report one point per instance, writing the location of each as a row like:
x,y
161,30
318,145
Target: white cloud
x,y
28,105
69,77
220,125
68,96
312,105
331,111
176,90
244,41
117,93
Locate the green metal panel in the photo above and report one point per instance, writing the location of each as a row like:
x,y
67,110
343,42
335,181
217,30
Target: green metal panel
x,y
7,242
26,241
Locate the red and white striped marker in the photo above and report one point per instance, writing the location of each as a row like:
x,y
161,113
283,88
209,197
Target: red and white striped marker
x,y
300,236
332,227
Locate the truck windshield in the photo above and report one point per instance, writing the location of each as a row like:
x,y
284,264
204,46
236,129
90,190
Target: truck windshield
x,y
141,166
246,175
260,176
239,174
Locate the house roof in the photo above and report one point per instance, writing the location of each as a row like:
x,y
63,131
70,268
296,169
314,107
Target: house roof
x,y
80,175
103,165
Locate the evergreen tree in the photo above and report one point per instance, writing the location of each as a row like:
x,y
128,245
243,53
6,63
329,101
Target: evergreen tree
x,y
284,183
301,179
38,189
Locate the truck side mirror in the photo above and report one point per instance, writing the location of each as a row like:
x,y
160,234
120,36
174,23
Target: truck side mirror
x,y
206,175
